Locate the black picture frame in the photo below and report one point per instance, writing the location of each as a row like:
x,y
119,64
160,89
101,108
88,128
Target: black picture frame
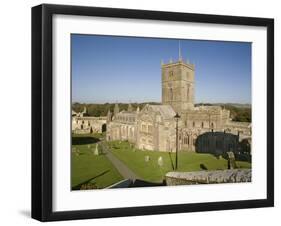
x,y
42,111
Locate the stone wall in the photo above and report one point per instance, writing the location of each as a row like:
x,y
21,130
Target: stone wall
x,y
209,177
88,124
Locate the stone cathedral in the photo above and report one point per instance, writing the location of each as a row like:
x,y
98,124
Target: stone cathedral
x,y
201,128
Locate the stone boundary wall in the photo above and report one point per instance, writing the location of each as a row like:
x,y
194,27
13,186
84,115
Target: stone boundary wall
x,y
209,177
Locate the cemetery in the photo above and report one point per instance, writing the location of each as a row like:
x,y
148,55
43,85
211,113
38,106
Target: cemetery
x,y
97,163
90,168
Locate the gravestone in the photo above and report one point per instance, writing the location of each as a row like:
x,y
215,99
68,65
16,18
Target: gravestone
x,y
231,160
160,161
146,158
97,150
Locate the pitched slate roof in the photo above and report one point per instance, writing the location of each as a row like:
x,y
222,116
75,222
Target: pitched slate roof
x,y
166,111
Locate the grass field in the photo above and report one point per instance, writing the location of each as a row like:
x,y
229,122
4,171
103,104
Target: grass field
x,y
94,171
151,171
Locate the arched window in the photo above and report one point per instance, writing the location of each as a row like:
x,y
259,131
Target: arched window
x,y
171,94
194,140
202,124
212,125
185,140
193,124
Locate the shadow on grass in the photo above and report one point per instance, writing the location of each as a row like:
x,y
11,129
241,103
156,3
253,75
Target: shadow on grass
x,y
84,140
203,167
171,160
78,187
143,183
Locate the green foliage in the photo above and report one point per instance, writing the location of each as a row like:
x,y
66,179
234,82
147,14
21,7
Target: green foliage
x,y
240,114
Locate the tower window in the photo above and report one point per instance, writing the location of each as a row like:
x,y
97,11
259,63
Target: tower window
x,y
193,124
171,73
171,94
202,124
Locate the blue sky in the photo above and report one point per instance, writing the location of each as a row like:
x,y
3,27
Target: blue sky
x,y
128,69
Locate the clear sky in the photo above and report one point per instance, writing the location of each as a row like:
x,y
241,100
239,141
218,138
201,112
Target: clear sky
x,y
128,69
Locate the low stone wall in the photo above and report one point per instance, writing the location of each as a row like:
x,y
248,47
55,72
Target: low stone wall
x,y
209,177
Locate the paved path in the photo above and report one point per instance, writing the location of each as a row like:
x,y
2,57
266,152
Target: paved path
x,y
120,166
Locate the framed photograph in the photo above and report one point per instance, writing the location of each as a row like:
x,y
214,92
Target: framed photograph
x,y
145,112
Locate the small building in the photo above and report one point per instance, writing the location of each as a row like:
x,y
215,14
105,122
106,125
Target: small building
x,y
82,123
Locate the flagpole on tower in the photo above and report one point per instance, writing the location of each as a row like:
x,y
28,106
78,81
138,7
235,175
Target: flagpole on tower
x,y
180,57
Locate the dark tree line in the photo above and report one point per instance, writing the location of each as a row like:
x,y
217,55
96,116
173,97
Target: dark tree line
x,y
240,114
102,109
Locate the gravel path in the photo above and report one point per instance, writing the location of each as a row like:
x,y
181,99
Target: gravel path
x,y
120,166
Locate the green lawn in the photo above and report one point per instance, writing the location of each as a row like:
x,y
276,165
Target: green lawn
x,y
151,171
97,171
88,169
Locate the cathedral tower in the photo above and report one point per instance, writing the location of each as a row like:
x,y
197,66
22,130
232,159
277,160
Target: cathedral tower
x,y
178,85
